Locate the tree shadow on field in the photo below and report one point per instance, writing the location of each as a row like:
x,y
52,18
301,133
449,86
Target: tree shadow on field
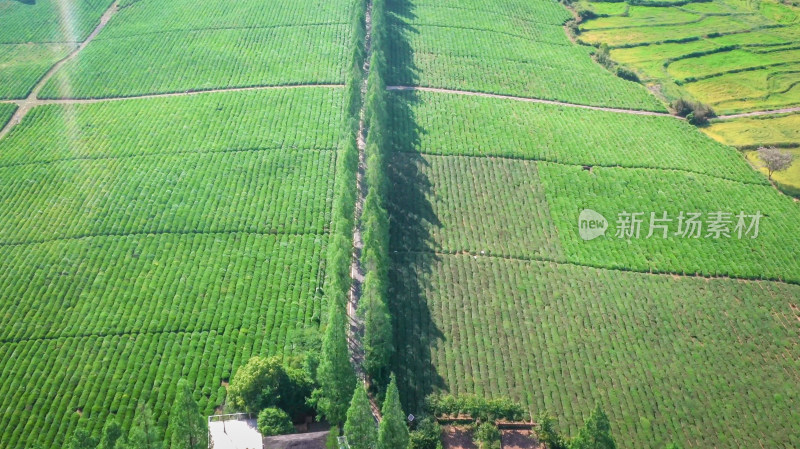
x,y
411,217
26,2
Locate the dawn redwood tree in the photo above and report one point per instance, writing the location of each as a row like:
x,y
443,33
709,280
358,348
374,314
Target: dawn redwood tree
x,y
187,427
393,432
335,373
378,344
110,434
596,433
775,159
144,434
360,427
82,438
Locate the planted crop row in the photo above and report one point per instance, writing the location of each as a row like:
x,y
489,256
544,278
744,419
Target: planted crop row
x,y
268,191
262,284
154,18
204,60
48,382
311,118
457,125
490,58
483,206
611,191
518,10
704,363
757,131
21,66
6,112
50,20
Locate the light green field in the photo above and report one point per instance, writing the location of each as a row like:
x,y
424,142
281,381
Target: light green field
x,y
51,21
755,131
22,65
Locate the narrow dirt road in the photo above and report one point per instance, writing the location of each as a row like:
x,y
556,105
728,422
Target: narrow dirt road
x,y
32,100
532,100
357,273
759,113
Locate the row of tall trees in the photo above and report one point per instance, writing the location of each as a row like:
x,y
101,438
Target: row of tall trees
x,y
187,428
360,428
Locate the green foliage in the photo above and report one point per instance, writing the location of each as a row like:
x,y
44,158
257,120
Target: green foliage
x,y
274,421
595,434
188,428
336,377
82,438
266,382
111,433
547,433
476,407
144,434
393,431
427,435
43,21
360,428
487,435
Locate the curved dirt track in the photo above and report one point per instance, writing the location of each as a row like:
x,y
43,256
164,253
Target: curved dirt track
x,y
759,113
532,100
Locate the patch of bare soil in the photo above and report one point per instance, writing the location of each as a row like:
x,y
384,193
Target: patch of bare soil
x,y
457,437
519,439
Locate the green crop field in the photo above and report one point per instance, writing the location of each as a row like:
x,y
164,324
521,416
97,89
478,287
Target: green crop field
x,y
514,48
49,20
22,65
6,111
178,48
705,363
234,218
182,193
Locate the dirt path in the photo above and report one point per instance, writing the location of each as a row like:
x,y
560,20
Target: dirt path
x,y
759,113
32,100
533,100
357,274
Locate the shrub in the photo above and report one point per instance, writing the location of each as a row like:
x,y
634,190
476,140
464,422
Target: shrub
x,y
487,436
274,421
427,435
627,74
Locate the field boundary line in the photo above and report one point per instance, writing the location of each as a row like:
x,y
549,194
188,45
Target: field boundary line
x,y
160,233
532,100
162,154
758,113
568,164
186,93
467,253
31,101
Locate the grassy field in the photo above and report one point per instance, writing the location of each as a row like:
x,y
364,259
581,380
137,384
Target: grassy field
x,y
514,47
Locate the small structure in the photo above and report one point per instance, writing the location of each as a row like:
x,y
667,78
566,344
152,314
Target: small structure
x,y
234,431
